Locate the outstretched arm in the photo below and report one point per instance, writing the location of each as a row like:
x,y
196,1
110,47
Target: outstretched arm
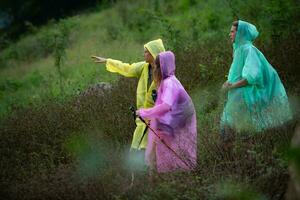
x,y
116,66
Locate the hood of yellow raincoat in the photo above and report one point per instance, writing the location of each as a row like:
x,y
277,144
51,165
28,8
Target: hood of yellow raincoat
x,y
246,33
155,47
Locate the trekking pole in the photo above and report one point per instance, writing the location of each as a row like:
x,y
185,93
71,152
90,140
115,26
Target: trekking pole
x,y
132,108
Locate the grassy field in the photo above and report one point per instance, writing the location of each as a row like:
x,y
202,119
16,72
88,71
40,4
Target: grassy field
x,y
64,145
28,81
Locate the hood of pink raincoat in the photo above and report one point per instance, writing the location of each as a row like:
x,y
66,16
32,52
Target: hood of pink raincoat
x,y
167,64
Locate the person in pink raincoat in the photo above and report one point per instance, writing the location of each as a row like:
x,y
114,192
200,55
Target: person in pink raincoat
x,y
173,120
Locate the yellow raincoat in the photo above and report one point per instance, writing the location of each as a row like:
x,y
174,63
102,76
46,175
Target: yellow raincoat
x,y
143,93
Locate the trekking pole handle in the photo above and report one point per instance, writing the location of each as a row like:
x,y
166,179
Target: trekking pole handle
x,y
133,110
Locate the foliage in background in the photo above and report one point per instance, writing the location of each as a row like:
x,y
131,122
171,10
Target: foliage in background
x,y
16,15
75,146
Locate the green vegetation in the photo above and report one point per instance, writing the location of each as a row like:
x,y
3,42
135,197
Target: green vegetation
x,y
74,145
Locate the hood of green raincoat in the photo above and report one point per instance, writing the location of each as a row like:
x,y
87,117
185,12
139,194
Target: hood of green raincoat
x,y
155,47
246,33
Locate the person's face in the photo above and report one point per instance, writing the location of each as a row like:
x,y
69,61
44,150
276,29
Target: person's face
x,y
232,33
147,56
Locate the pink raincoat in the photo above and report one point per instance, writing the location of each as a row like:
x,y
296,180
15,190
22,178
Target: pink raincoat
x,y
173,119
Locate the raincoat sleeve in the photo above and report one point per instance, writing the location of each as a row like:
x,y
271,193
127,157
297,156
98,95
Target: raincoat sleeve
x,y
252,70
154,112
167,97
125,69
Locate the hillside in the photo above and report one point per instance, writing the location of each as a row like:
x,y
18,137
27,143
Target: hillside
x,y
63,140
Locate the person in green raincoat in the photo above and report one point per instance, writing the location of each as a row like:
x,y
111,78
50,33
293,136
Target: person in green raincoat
x,y
256,98
142,70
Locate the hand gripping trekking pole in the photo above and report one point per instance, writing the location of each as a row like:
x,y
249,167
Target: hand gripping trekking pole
x,y
132,108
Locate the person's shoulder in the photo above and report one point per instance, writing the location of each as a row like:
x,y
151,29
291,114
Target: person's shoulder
x,y
171,81
166,82
248,48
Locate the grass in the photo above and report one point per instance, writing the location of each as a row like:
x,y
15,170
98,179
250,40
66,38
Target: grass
x,y
78,69
75,146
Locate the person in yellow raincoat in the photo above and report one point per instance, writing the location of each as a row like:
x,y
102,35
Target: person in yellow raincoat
x,y
143,71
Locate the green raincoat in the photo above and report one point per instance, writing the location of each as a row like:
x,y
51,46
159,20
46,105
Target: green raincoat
x,y
263,102
143,94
